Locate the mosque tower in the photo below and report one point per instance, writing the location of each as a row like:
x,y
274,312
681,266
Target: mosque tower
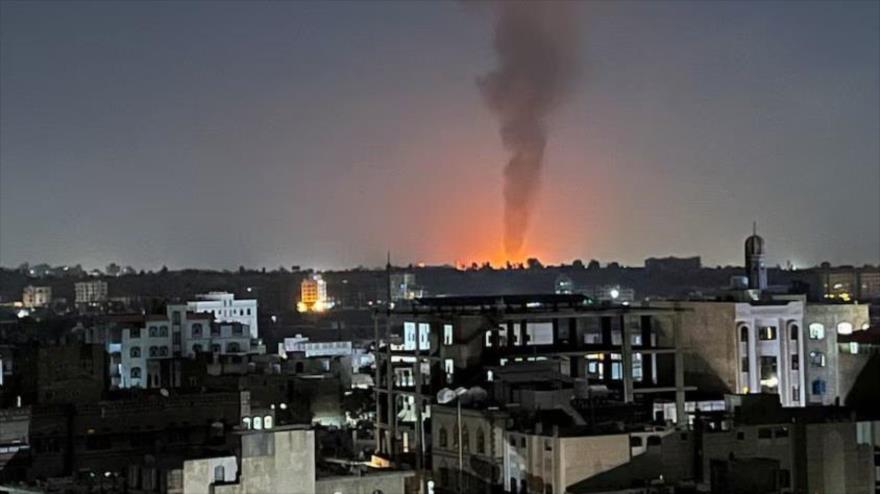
x,y
755,269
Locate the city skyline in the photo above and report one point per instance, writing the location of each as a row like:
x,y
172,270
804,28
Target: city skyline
x,y
176,134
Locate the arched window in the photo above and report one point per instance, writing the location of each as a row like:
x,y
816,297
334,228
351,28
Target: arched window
x,y
154,331
744,333
219,473
267,422
163,330
247,422
163,351
135,372
844,328
443,439
135,352
232,347
793,332
154,351
481,441
817,331
197,330
465,439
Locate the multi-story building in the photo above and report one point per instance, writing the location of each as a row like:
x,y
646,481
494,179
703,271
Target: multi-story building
x,y
454,341
36,296
90,292
778,345
225,308
313,294
829,372
179,333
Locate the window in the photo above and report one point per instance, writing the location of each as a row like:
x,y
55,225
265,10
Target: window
x,y
175,338
258,423
135,352
793,332
449,367
249,311
232,347
745,364
465,439
175,318
512,441
817,359
134,333
744,334
154,331
163,330
844,328
444,439
853,347
795,393
817,331
197,348
447,334
216,348
219,473
215,330
767,333
769,374
197,330
154,351
163,351
237,329
267,422
247,422
818,387
135,372
481,441
795,362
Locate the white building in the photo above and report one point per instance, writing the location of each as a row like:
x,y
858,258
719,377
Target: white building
x,y
225,308
91,291
36,296
179,333
771,350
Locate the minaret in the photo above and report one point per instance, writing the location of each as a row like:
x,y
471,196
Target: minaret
x,y
755,269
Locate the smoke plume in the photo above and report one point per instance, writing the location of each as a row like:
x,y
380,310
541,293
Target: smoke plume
x,y
535,43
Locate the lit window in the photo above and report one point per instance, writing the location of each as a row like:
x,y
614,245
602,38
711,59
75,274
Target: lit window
x,y
247,422
817,359
267,422
767,333
853,347
844,328
447,334
258,423
817,331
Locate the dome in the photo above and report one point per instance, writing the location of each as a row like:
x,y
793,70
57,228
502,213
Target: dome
x,y
754,245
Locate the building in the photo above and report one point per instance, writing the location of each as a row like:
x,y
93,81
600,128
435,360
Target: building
x,y
225,308
283,459
90,292
755,268
313,295
36,296
404,287
456,341
830,368
180,333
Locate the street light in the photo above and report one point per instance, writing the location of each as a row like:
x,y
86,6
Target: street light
x,y
445,396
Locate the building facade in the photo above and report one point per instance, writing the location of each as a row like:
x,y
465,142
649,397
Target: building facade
x,y
90,292
36,296
225,308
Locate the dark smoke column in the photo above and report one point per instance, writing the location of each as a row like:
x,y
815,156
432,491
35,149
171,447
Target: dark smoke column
x,y
535,43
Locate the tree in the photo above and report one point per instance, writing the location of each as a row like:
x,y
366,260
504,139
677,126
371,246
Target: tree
x,y
534,263
594,264
577,263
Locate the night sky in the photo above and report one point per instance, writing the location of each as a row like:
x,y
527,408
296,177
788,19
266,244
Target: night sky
x,y
323,134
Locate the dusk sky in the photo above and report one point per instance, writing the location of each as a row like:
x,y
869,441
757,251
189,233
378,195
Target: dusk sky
x,y
324,134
